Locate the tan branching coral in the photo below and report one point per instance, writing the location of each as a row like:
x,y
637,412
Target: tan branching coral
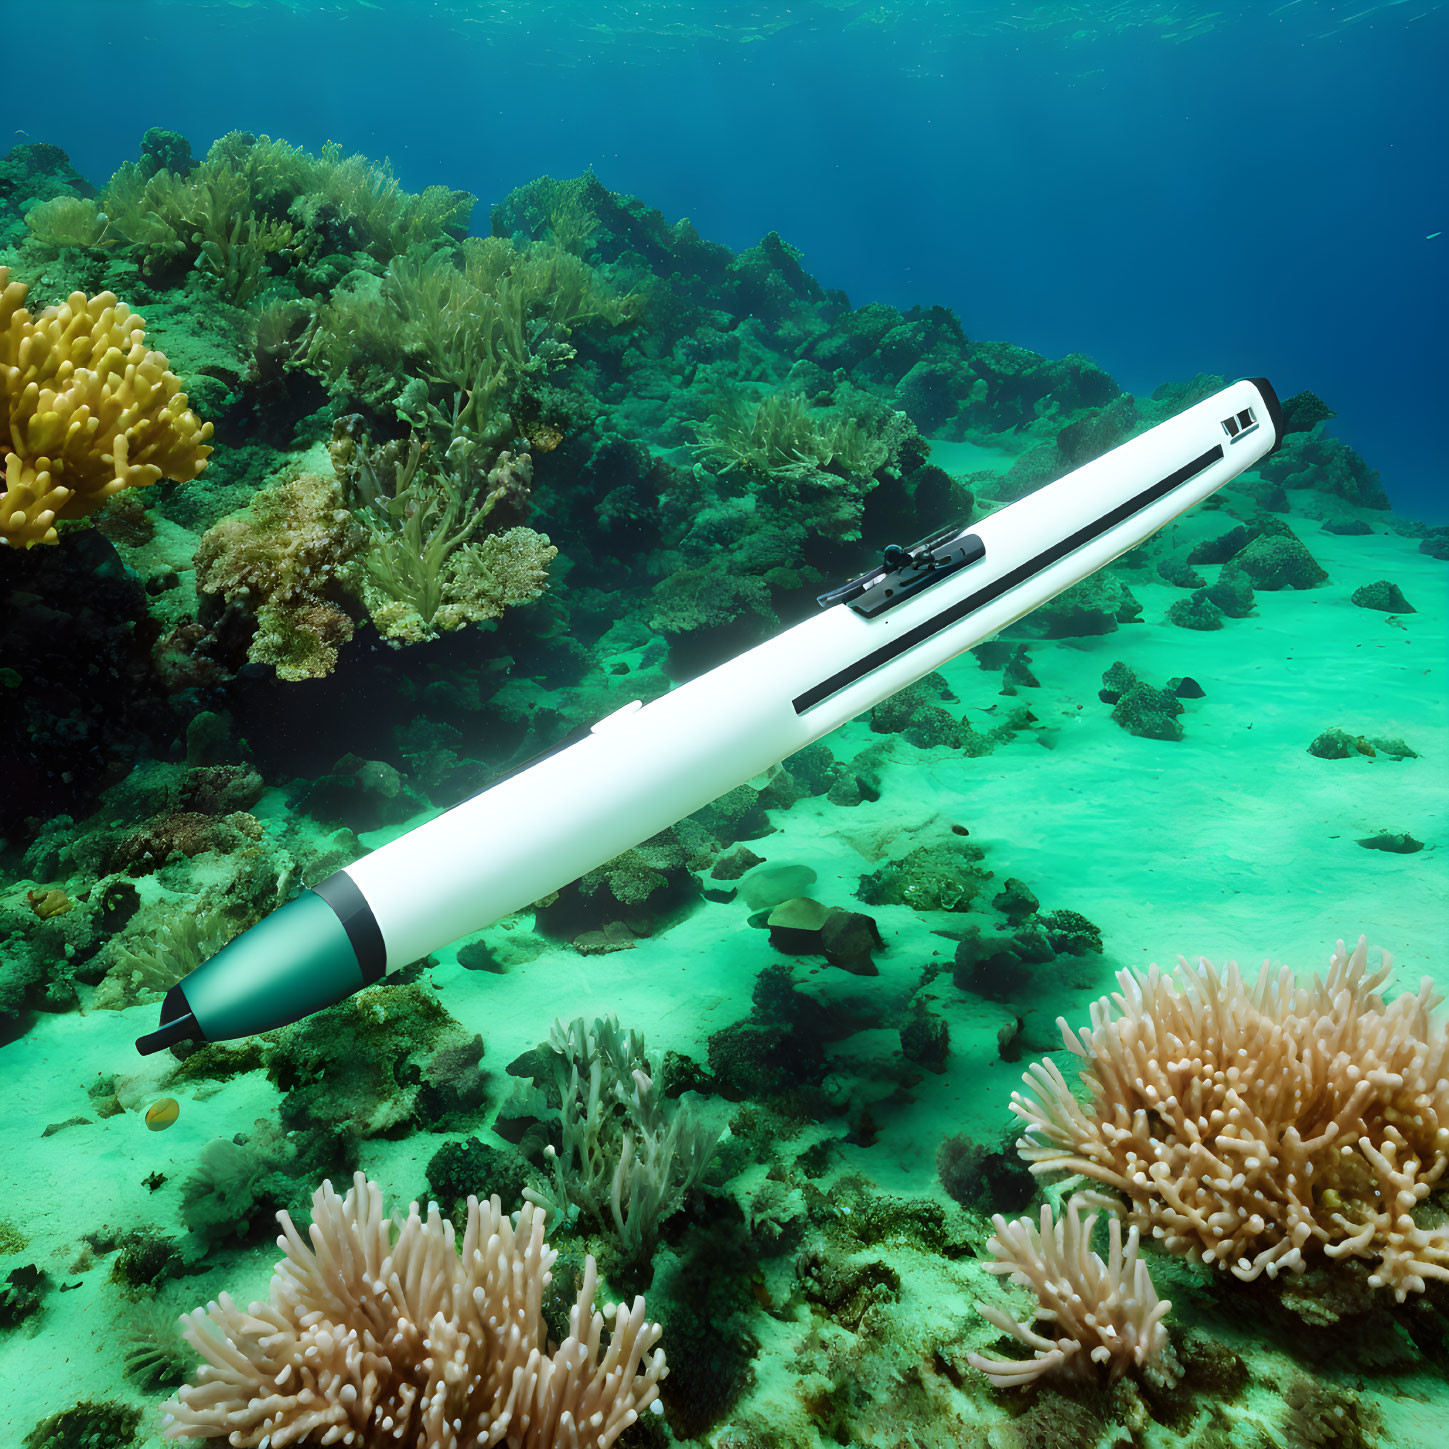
x,y
86,410
1258,1127
379,1334
1103,1318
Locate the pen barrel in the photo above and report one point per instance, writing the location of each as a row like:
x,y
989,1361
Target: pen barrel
x,y
646,767
639,772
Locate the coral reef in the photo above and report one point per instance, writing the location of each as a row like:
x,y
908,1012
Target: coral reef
x,y
425,566
376,1064
380,1331
472,494
283,559
239,1183
1102,1316
1261,1126
85,1424
943,877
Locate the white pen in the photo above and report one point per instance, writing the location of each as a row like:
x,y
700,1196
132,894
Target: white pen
x,y
646,766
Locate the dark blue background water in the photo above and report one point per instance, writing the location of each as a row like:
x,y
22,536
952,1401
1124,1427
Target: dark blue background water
x,y
1256,200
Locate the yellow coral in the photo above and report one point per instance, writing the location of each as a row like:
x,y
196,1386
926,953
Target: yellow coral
x,y
86,410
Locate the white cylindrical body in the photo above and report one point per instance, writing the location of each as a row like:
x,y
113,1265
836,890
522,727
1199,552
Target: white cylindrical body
x,y
643,769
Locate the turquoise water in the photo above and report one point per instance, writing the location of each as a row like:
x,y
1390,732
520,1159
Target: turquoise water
x,y
392,393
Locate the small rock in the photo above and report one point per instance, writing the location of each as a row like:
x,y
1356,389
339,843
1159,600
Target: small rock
x,y
795,925
1336,744
611,936
1404,844
1015,901
55,1127
1394,748
849,937
1281,561
1149,713
763,889
925,1038
1385,596
1116,681
478,956
1198,612
733,865
1178,573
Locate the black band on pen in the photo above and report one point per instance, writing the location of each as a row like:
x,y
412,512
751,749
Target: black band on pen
x,y
1275,412
345,897
1009,580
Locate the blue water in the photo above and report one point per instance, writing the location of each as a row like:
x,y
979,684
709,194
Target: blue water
x,y
1254,196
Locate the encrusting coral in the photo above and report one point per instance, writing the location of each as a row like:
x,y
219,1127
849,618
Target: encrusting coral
x,y
1104,1315
86,410
1257,1127
284,555
374,1342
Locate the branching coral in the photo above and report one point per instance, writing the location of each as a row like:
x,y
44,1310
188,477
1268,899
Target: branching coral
x,y
1257,1127
427,564
270,172
782,436
382,218
814,465
474,328
224,215
379,1334
157,212
236,252
253,196
627,1157
1102,1318
86,410
402,534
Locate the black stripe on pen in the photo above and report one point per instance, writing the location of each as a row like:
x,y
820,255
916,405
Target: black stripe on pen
x,y
345,897
994,590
